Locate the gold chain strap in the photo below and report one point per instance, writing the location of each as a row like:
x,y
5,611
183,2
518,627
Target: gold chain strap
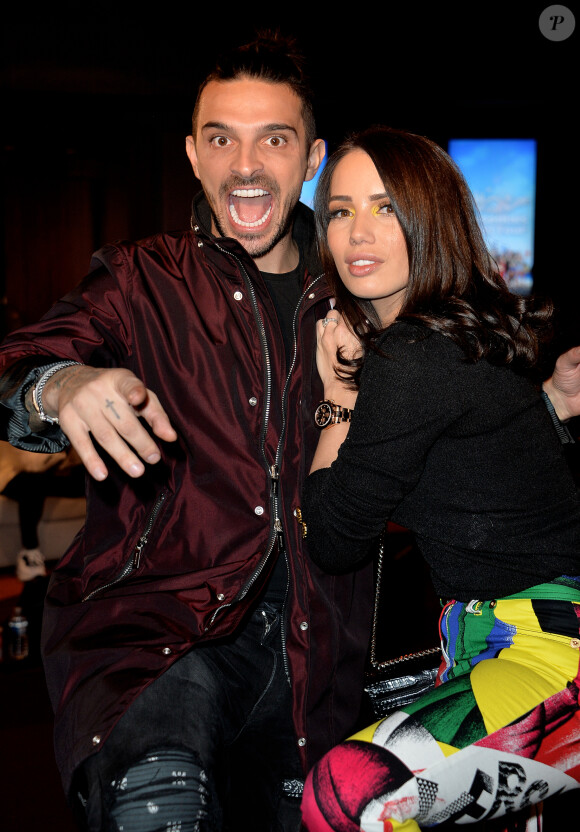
x,y
373,655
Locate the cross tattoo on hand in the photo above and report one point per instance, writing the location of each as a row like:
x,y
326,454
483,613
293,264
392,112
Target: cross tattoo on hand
x,y
111,406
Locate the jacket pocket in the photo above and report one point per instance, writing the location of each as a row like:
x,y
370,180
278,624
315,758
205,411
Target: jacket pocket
x,y
134,560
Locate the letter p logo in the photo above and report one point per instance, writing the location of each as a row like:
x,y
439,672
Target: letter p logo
x,y
557,22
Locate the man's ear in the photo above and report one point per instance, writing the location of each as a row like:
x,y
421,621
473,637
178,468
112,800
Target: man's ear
x,y
315,157
192,154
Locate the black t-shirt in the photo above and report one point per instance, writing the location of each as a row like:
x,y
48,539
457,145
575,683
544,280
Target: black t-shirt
x,y
285,290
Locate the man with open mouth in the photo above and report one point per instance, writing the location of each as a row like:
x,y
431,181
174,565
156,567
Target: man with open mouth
x,y
252,163
183,626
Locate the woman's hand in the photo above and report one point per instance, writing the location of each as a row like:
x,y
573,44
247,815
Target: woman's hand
x,y
332,334
563,388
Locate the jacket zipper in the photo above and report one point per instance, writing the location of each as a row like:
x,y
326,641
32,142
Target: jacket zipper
x,y
277,533
278,463
135,559
266,417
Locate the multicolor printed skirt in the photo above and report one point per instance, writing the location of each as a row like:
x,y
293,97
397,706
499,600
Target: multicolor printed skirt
x,y
500,732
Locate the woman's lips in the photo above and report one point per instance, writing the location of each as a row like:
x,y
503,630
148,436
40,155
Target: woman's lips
x,y
360,265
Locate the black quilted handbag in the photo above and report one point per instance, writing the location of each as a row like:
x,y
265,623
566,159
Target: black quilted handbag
x,y
396,682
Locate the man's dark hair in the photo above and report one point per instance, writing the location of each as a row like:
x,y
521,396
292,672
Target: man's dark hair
x,y
270,57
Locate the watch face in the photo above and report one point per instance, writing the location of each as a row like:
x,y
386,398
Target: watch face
x,y
323,414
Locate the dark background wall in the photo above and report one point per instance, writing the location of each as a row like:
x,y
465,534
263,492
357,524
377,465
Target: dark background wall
x,y
96,102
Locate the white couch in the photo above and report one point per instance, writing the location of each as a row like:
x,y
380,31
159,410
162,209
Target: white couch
x,y
62,517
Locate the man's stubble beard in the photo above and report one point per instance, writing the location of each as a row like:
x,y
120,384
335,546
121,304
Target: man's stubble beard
x,y
253,243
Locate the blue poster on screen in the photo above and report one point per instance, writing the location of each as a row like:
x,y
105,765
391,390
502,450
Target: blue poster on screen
x,y
501,174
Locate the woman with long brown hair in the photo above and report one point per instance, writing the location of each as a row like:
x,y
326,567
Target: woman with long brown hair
x,y
433,418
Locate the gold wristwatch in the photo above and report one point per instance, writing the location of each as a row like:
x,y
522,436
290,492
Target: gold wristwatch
x,y
329,413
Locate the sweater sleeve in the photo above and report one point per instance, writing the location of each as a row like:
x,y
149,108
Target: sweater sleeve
x,y
562,430
406,400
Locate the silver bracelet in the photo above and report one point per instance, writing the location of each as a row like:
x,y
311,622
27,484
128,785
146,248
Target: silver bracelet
x,y
39,387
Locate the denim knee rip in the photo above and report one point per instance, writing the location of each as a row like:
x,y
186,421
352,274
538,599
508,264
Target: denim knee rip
x,y
166,791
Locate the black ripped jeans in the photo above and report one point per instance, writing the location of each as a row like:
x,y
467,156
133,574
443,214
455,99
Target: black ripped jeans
x,y
209,746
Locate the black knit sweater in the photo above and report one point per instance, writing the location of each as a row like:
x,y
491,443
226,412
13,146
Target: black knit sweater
x,y
465,455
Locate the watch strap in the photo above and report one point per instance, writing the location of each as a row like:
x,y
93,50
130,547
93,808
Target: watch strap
x,y
338,413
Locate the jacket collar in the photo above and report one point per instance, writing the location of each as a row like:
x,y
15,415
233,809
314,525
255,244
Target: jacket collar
x,y
303,230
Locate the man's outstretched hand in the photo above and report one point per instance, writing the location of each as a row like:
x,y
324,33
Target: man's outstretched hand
x,y
107,405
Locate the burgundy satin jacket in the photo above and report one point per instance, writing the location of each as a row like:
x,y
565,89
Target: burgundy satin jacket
x,y
177,556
